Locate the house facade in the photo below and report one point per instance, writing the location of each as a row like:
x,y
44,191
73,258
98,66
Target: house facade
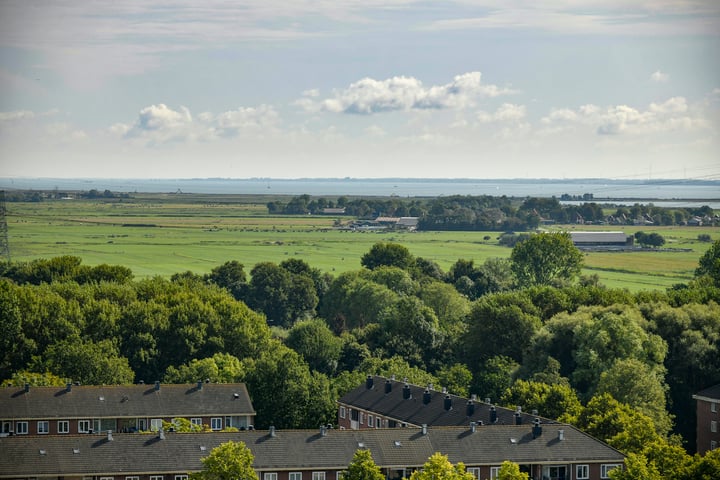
x,y
387,403
708,417
75,409
551,452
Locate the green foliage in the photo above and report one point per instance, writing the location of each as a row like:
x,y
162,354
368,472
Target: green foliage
x,y
387,254
544,258
551,401
709,263
220,368
456,378
88,362
494,376
231,276
636,468
706,467
316,343
363,467
511,471
438,467
649,239
182,425
34,379
228,461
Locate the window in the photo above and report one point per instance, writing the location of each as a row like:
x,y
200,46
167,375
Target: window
x,y
340,474
21,428
216,423
155,424
554,472
318,476
713,426
494,472
713,444
371,423
181,477
606,468
295,476
43,426
84,427
342,414
107,478
713,407
195,421
378,422
63,426
132,478
270,476
362,417
582,472
475,471
156,477
7,427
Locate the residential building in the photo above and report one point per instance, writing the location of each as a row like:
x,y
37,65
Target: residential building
x,y
76,409
387,403
551,452
708,418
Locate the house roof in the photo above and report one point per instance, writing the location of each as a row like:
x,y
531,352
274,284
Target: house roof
x,y
118,401
296,449
711,394
415,411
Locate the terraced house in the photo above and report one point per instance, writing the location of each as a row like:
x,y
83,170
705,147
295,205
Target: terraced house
x,y
76,409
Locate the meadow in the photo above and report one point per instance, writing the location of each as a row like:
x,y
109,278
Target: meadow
x,y
163,234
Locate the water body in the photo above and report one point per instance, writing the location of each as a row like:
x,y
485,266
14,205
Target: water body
x,y
674,192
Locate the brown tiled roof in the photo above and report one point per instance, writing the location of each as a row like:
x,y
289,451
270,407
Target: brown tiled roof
x,y
118,401
414,410
296,450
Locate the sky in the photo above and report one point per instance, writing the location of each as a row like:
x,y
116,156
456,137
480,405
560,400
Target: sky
x,y
626,89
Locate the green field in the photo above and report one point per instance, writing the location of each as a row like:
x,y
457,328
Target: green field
x,y
159,234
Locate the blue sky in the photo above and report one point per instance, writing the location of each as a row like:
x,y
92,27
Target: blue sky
x,y
393,88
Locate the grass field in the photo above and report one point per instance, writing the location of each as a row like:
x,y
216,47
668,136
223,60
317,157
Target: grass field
x,y
163,234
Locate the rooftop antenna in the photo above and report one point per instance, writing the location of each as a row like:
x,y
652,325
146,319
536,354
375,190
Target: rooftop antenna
x,y
4,245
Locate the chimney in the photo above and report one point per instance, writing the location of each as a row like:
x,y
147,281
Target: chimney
x,y
27,387
424,428
157,385
427,396
323,430
561,435
369,382
109,436
518,418
161,434
199,384
271,430
68,387
470,408
537,429
447,403
493,414
388,386
487,400
473,427
518,409
407,394
473,397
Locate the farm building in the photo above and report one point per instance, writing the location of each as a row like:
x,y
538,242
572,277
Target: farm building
x,y
601,240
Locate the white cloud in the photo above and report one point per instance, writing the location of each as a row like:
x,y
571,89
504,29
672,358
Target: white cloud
x,y
507,112
659,77
369,96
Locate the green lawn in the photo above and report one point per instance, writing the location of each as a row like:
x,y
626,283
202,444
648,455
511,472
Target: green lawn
x,y
153,236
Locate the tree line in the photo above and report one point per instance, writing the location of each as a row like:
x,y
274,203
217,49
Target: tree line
x,y
522,331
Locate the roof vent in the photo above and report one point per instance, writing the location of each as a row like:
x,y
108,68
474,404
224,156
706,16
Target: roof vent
x,y
534,411
199,384
101,398
473,397
518,418
447,403
397,443
361,445
470,408
203,448
76,451
407,394
518,409
473,427
513,440
493,414
388,386
392,377
427,396
161,434
236,395
561,434
271,430
369,382
424,428
157,385
537,429
109,436
487,400
444,390
124,399
68,387
43,451
430,386
323,430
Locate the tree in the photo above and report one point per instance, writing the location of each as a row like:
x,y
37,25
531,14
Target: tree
x,y
317,344
636,468
511,471
231,276
220,368
363,467
709,263
228,461
438,467
544,258
388,254
93,363
551,401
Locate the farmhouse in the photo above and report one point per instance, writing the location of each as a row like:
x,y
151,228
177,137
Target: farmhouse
x,y
708,418
601,240
76,409
386,403
552,453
